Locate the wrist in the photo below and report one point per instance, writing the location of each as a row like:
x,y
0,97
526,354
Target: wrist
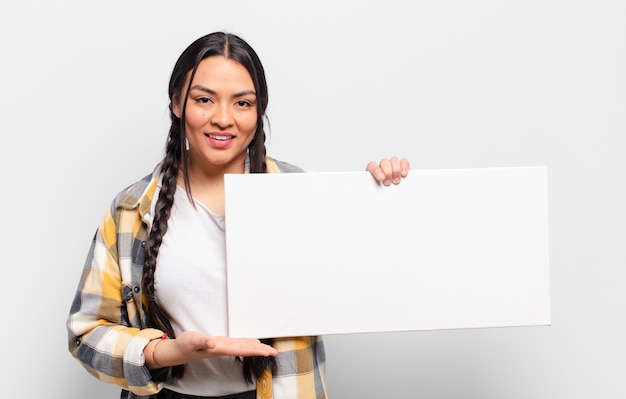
x,y
152,357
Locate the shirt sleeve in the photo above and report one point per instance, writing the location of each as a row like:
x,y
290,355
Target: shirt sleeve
x,y
100,335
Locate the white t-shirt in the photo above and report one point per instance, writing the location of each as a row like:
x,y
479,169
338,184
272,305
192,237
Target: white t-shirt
x,y
190,284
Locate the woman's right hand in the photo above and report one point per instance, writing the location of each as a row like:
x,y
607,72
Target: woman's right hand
x,y
192,345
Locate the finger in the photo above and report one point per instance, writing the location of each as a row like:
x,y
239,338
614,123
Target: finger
x,y
210,343
375,170
396,170
387,169
270,351
254,347
405,167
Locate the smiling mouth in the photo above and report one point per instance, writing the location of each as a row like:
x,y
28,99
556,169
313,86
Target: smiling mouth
x,y
220,137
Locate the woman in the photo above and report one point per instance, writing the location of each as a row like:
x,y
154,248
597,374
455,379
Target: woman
x,y
150,310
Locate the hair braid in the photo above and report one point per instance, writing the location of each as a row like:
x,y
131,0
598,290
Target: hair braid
x,y
156,316
257,151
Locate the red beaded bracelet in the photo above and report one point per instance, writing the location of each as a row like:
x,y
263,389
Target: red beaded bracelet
x,y
163,337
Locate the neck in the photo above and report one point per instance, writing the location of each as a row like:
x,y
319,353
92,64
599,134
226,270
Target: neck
x,y
207,185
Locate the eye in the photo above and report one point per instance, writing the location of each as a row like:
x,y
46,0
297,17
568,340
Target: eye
x,y
203,100
243,103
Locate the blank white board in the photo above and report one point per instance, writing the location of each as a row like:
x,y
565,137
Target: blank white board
x,y
336,253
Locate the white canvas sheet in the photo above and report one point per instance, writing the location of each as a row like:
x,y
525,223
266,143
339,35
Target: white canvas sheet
x,y
337,253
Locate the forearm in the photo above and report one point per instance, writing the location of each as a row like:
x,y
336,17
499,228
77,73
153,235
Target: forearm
x,y
191,345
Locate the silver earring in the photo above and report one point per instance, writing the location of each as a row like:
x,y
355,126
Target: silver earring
x,y
186,144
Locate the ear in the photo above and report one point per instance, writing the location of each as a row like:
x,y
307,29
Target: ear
x,y
175,105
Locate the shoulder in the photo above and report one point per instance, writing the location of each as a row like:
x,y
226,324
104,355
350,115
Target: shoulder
x,y
132,195
282,166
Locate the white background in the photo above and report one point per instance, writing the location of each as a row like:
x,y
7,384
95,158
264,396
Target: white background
x,y
484,83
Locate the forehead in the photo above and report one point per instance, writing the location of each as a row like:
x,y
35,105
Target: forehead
x,y
220,72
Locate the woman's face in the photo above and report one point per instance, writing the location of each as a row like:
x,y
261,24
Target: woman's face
x,y
221,115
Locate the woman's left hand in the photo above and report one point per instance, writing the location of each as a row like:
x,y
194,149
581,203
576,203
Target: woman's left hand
x,y
389,170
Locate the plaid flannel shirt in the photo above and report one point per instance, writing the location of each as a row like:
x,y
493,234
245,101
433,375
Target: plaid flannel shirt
x,y
106,324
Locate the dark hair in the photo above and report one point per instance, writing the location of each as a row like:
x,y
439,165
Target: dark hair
x,y
176,159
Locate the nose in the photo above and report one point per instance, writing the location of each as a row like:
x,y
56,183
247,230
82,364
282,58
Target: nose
x,y
222,116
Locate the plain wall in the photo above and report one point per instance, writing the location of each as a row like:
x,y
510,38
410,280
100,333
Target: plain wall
x,y
487,83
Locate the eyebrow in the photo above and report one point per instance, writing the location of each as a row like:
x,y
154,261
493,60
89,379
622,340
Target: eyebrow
x,y
210,91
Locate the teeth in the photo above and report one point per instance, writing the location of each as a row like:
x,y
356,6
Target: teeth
x,y
216,137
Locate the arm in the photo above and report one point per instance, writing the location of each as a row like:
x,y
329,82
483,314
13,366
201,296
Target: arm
x,y
192,345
